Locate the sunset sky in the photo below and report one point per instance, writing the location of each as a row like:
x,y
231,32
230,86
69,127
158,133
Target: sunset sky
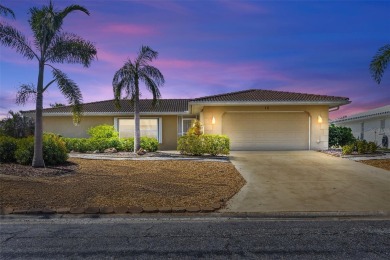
x,y
212,47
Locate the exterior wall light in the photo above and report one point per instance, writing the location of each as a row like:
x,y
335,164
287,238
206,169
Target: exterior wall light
x,y
319,119
213,121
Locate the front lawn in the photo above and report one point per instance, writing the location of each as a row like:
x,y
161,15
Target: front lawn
x,y
84,183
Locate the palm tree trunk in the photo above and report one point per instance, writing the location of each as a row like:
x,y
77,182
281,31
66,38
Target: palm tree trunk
x,y
38,134
137,130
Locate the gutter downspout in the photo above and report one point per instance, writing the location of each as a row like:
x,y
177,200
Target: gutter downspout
x,y
309,132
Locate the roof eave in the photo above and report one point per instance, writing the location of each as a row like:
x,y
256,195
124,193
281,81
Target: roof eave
x,y
262,103
110,113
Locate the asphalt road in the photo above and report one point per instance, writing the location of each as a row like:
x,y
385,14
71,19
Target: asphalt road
x,y
192,237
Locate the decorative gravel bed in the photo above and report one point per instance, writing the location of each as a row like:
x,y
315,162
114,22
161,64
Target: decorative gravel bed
x,y
104,183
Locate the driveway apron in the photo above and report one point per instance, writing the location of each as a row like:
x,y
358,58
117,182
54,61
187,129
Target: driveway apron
x,y
307,181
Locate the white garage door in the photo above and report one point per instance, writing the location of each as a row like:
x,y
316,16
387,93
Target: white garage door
x,y
267,131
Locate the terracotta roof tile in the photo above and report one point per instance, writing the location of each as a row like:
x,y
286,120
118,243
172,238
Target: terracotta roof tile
x,y
259,95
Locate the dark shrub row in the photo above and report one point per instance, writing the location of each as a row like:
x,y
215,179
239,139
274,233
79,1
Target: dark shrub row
x,y
204,144
22,150
83,145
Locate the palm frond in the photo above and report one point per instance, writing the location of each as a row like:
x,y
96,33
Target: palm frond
x,y
379,63
25,93
11,37
70,48
153,73
153,88
124,80
5,11
72,8
145,55
71,92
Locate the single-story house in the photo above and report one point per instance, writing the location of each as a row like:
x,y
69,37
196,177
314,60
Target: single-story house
x,y
253,119
371,125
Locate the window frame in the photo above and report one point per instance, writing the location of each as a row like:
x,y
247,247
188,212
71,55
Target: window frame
x,y
159,125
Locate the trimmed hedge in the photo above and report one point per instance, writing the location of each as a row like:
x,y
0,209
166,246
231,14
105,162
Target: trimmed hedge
x,y
22,150
360,146
103,131
204,144
8,146
83,145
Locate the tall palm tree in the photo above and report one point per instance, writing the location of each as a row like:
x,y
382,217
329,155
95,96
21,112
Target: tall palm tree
x,y
52,45
5,11
127,79
379,63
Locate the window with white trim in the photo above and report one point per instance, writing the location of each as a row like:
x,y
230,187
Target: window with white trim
x,y
187,124
149,127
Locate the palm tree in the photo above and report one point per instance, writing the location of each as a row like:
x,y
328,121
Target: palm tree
x,y
52,45
5,11
127,79
379,63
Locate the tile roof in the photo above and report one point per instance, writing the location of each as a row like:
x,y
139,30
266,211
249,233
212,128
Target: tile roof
x,y
108,106
380,111
259,95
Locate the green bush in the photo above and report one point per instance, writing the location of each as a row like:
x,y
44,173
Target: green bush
x,y
8,146
81,145
127,144
348,149
372,147
103,131
361,146
340,135
54,150
25,150
204,144
149,144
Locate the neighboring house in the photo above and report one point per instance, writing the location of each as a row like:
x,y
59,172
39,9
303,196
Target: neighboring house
x,y
253,119
371,125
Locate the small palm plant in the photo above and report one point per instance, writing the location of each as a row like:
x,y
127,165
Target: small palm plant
x,y
379,63
52,45
127,79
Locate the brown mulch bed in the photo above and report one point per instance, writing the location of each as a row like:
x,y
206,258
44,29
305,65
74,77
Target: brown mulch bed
x,y
83,183
384,164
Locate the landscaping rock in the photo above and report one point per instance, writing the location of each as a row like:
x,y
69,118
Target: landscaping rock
x,y
216,205
63,210
150,210
96,151
141,152
110,150
19,211
121,210
178,210
135,210
165,210
76,210
107,210
34,211
192,209
206,209
92,210
6,211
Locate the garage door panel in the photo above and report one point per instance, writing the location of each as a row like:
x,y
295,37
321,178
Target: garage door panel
x,y
266,131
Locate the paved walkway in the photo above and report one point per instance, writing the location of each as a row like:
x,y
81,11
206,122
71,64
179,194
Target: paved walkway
x,y
307,181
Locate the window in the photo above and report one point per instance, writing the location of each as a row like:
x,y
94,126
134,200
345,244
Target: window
x,y
187,124
149,127
383,122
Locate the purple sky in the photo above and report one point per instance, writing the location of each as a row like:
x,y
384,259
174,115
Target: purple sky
x,y
211,47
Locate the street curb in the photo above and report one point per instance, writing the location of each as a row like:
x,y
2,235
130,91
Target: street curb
x,y
306,214
109,210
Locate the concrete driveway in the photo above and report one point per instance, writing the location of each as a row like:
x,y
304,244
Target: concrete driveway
x,y
307,181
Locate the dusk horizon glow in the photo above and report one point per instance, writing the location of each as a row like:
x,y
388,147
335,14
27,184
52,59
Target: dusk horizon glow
x,y
215,47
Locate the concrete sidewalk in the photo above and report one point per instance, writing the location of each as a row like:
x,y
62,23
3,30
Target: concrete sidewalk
x,y
308,181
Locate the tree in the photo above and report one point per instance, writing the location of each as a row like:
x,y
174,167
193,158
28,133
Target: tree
x,y
5,11
52,45
16,125
379,63
340,135
127,79
56,105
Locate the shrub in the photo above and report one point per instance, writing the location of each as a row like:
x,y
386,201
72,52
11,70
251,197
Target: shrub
x,y
127,144
361,146
54,150
216,144
81,145
348,149
16,125
8,147
340,135
371,147
25,150
196,129
149,144
103,131
204,144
